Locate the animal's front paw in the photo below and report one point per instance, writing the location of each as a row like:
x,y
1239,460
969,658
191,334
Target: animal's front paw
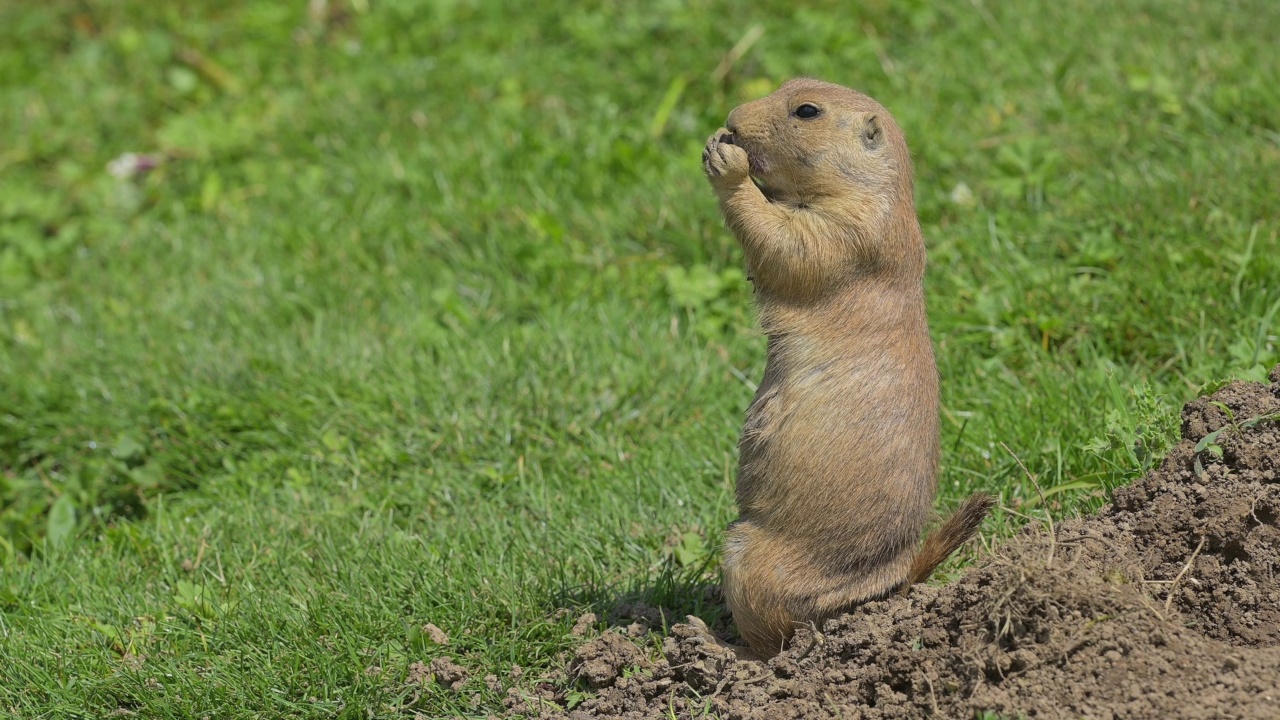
x,y
724,163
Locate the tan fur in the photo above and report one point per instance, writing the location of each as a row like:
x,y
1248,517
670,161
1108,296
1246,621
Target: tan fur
x,y
839,452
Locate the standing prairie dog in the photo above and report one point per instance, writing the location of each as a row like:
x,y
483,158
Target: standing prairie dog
x,y
839,453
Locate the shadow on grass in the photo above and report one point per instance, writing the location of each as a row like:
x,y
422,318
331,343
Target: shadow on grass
x,y
662,600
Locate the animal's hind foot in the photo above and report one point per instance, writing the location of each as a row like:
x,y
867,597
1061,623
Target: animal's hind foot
x,y
741,652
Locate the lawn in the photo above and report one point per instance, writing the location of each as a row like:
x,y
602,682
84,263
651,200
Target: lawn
x,y
426,313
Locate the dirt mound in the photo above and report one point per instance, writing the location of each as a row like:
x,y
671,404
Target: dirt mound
x,y
1166,604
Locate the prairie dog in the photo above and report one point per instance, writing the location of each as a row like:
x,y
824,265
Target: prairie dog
x,y
839,451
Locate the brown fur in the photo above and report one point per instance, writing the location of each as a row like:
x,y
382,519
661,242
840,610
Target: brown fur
x,y
839,452
956,531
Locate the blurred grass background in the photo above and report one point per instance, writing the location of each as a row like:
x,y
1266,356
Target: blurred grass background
x,y
425,313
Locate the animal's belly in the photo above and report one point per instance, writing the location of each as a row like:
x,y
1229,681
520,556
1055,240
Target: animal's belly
x,y
792,440
814,456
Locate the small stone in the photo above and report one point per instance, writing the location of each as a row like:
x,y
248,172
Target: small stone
x,y
418,673
584,625
448,673
436,635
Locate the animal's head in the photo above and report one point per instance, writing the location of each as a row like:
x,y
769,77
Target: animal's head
x,y
810,139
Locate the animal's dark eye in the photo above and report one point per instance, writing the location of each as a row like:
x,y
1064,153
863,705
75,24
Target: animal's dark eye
x,y
807,111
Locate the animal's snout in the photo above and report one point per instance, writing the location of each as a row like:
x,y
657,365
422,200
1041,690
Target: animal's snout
x,y
729,123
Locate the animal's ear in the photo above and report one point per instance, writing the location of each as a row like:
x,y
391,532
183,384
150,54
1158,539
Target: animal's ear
x,y
872,133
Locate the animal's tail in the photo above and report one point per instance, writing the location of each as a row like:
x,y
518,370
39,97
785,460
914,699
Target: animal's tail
x,y
953,533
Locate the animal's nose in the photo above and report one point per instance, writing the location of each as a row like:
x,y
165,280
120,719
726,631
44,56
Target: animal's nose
x,y
729,124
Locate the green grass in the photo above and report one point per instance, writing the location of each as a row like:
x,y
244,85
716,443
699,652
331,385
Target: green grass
x,y
428,316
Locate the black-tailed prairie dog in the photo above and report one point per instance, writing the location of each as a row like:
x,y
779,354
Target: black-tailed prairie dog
x,y
839,452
